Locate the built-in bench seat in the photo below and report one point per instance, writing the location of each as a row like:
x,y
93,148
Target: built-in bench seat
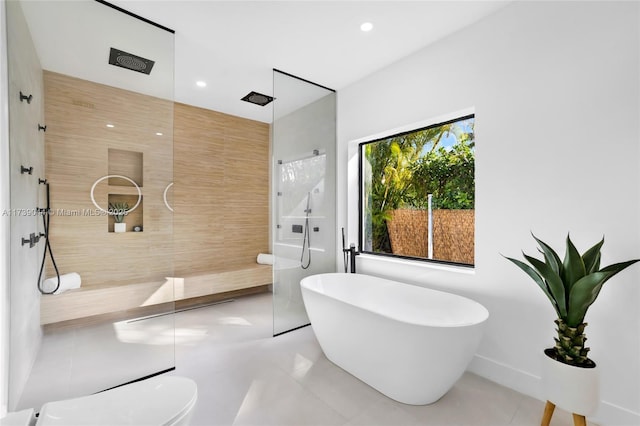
x,y
91,301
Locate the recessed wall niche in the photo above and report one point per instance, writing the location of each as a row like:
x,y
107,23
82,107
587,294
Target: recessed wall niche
x,y
125,163
132,219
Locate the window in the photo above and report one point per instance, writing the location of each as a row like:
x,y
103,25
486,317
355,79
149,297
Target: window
x,y
418,193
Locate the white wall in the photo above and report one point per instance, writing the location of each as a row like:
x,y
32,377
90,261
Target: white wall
x,y
4,220
26,149
555,90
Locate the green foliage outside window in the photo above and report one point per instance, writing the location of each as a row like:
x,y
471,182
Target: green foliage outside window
x,y
400,171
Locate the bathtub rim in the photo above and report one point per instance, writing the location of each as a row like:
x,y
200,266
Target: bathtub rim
x,y
484,311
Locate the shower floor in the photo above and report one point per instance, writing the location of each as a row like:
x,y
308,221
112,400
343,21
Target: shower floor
x,y
247,377
81,360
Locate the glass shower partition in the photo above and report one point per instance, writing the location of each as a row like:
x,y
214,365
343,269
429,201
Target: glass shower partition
x,y
303,192
97,137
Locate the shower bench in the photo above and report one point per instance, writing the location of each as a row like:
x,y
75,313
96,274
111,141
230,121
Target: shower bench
x,y
93,302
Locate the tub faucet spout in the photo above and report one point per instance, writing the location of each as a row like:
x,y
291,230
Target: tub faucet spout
x,y
352,256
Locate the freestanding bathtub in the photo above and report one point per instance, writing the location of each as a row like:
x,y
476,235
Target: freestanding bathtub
x,y
408,342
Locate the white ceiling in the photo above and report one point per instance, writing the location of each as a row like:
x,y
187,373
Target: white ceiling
x,y
234,45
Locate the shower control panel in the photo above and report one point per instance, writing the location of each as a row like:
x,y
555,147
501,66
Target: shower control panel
x,y
296,229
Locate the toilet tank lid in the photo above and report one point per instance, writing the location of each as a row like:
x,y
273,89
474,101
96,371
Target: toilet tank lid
x,y
156,401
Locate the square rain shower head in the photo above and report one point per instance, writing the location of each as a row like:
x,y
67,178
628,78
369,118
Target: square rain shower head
x,y
258,98
130,61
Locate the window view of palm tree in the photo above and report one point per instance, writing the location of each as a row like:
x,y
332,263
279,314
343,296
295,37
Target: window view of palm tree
x,y
418,192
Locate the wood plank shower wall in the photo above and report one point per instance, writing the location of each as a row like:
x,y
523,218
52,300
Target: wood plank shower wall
x,y
219,165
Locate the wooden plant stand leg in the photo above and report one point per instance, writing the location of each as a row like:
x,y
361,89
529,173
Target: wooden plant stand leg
x,y
579,420
548,412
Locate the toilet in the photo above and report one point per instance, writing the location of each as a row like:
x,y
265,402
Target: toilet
x,y
158,401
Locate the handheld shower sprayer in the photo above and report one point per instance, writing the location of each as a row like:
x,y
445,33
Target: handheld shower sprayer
x,y
305,238
349,255
308,210
345,253
46,220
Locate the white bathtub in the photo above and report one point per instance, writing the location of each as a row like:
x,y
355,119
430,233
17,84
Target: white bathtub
x,y
408,342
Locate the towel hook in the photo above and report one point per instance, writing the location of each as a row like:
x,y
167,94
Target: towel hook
x,y
24,97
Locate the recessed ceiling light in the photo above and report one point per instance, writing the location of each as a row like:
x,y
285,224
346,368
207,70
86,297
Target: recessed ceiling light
x,y
367,26
158,133
111,126
201,83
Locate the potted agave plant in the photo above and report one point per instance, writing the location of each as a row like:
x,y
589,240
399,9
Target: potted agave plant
x,y
119,211
569,376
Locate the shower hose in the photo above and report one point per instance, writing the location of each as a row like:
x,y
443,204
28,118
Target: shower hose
x,y
305,238
46,219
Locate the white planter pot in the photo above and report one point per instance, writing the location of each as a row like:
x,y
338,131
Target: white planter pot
x,y
120,227
574,389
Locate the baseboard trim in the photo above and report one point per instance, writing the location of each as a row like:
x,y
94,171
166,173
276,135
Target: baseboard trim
x,y
505,375
529,384
613,415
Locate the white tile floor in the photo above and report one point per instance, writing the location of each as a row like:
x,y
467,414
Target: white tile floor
x,y
247,377
84,360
